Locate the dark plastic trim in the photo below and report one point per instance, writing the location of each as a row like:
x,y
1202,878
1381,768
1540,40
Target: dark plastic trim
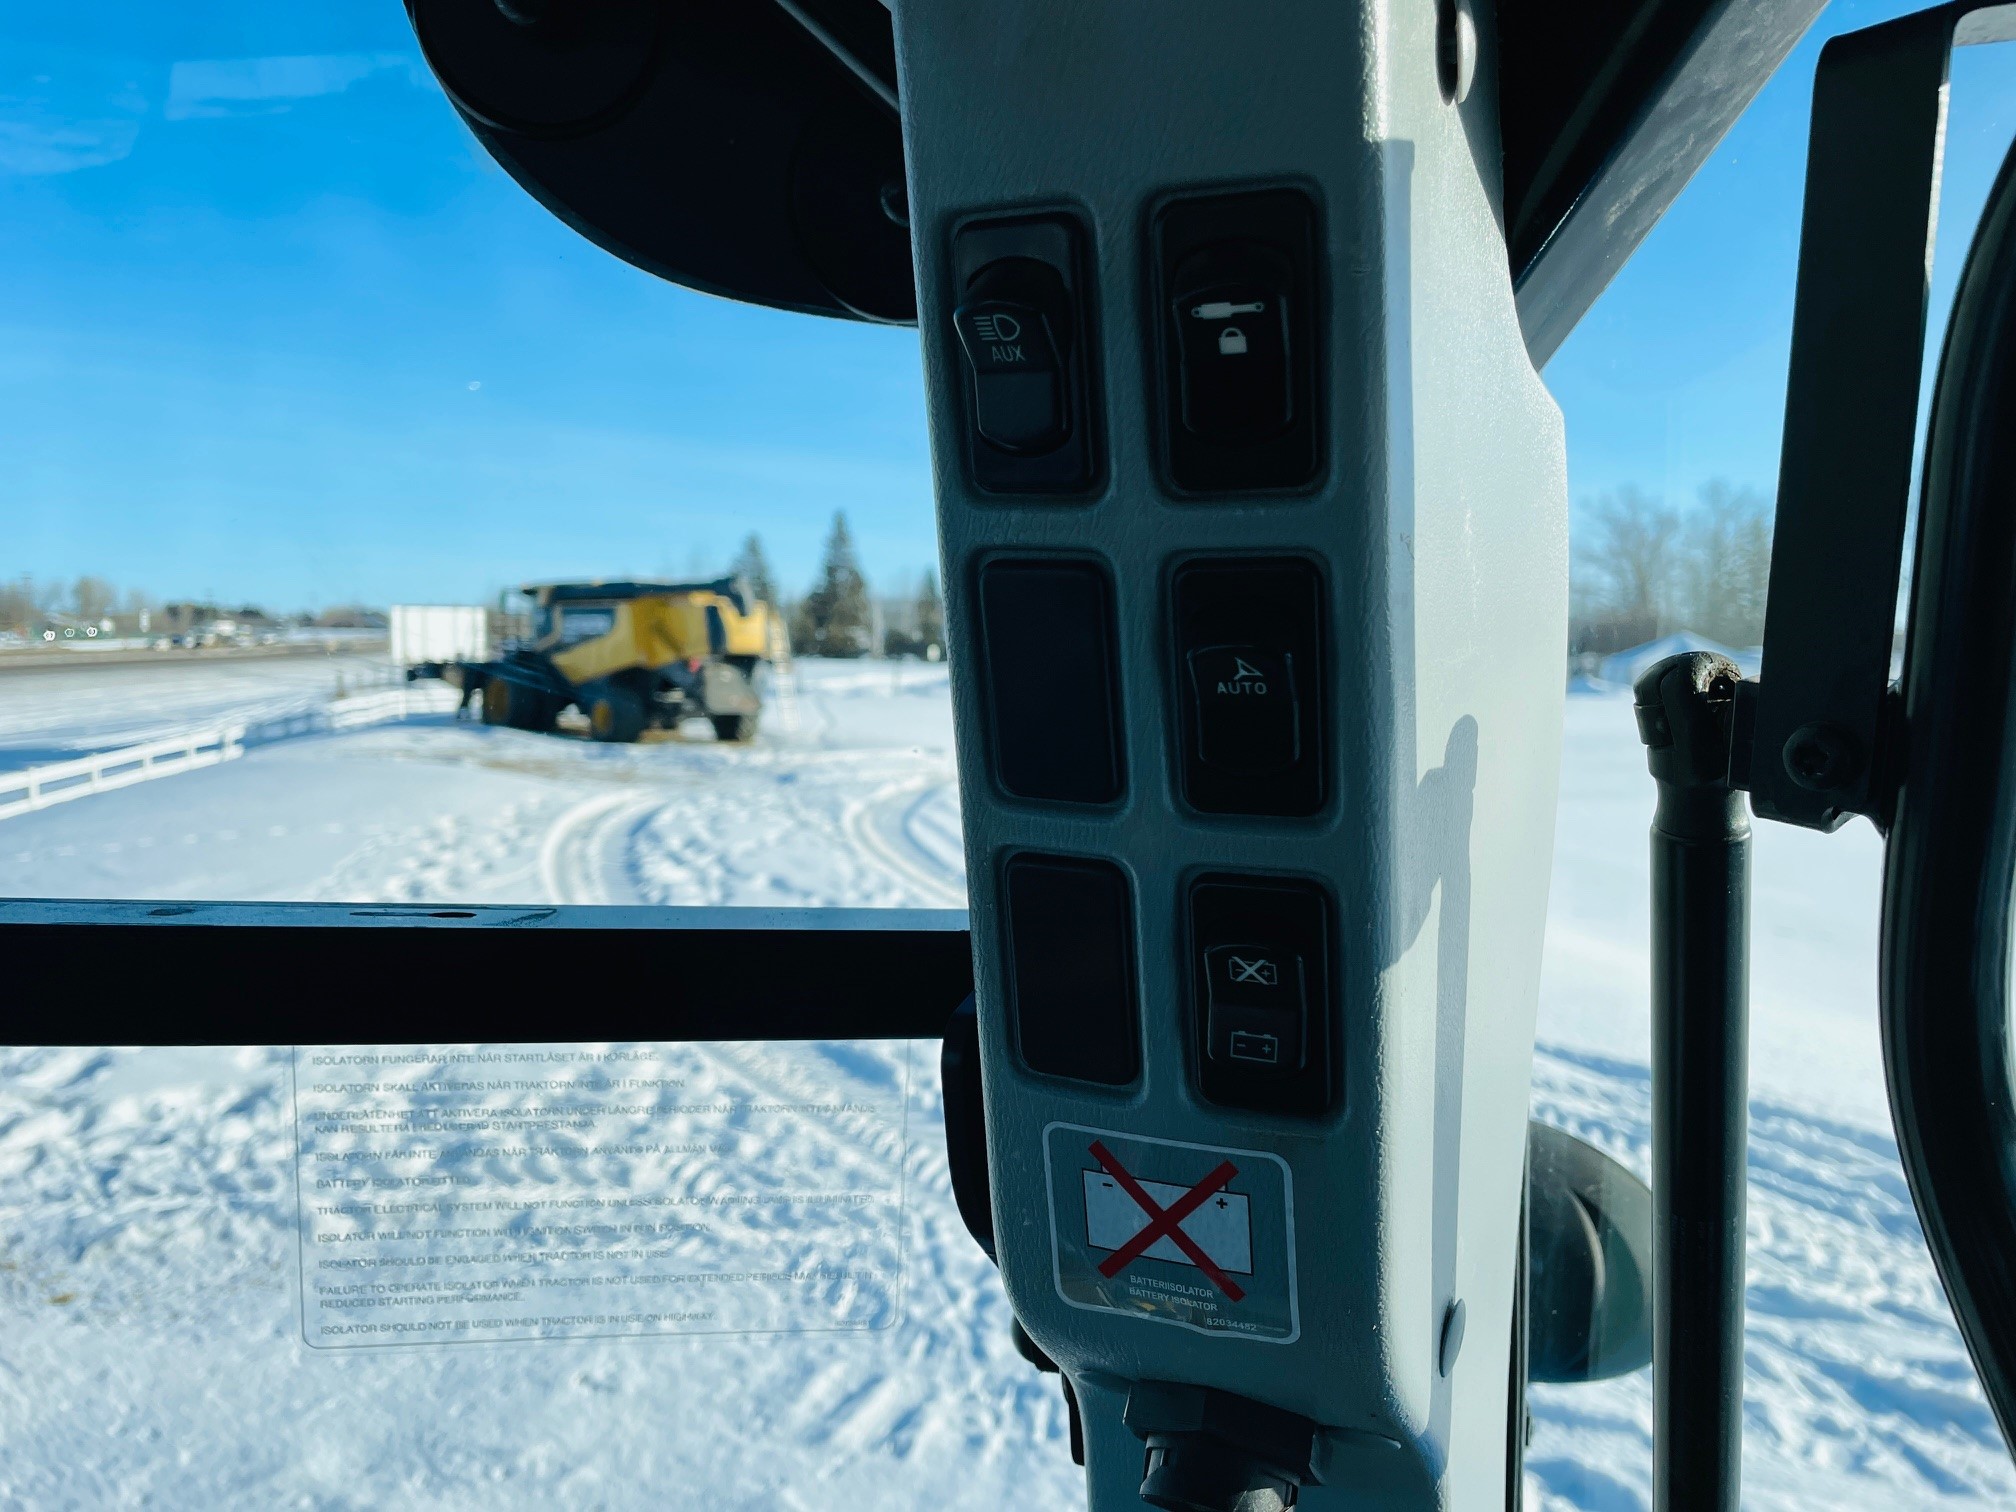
x,y
335,974
1606,111
1951,860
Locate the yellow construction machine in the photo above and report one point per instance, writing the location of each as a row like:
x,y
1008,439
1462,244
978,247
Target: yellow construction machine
x,y
631,656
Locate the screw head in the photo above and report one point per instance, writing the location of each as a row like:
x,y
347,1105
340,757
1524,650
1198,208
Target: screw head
x,y
1822,758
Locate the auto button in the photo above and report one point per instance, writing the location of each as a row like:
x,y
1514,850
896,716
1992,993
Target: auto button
x,y
1246,676
1247,721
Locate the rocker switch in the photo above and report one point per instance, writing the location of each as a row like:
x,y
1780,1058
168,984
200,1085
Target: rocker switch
x,y
1233,338
1008,328
1247,719
1258,1014
1238,299
1263,994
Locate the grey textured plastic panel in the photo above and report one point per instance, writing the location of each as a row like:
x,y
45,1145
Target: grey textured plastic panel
x,y
1438,522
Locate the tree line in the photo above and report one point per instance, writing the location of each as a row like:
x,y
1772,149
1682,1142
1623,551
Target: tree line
x,y
28,603
1642,569
838,615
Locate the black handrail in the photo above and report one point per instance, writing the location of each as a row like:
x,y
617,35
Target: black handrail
x,y
1951,861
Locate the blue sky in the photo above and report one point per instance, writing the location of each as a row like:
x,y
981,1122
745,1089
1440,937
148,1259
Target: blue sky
x,y
272,328
1677,376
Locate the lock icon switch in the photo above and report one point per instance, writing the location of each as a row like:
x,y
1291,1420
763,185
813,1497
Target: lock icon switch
x,y
1232,379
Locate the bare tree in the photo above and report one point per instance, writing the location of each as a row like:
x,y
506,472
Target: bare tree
x,y
20,605
930,613
1643,569
1623,561
1725,565
91,599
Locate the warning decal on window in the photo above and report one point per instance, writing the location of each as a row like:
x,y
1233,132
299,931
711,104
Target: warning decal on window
x,y
1171,1232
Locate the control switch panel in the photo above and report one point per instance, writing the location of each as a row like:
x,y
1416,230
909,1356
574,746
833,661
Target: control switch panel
x,y
1023,329
1233,345
1249,686
1260,961
1236,279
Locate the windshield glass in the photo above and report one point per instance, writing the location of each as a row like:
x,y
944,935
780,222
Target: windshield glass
x,y
297,389
1858,1391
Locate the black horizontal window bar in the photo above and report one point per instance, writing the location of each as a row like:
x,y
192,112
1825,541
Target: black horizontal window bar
x,y
148,974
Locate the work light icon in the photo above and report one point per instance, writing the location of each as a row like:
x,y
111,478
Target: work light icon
x,y
997,327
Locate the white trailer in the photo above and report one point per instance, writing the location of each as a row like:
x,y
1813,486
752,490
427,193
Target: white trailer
x,y
439,632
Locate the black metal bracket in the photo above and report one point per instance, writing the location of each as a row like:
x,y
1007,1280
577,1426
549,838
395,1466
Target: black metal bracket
x,y
1818,731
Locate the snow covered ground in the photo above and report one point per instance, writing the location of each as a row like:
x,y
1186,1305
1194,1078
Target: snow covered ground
x,y
150,1345
847,796
53,713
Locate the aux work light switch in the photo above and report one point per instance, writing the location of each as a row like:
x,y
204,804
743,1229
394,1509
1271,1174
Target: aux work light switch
x,y
1023,329
1018,380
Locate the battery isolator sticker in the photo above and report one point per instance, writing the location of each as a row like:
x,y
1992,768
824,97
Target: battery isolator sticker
x,y
1178,1233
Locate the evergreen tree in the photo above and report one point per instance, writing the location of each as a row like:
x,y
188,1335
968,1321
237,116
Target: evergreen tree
x,y
753,567
835,618
930,618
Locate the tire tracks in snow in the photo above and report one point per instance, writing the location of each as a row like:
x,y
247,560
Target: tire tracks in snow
x,y
862,823
574,861
600,851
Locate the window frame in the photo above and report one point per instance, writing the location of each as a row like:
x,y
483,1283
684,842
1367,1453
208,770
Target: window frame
x,y
154,974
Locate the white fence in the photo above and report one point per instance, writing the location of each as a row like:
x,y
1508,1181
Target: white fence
x,y
39,787
59,782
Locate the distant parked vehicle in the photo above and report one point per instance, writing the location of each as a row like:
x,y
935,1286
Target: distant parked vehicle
x,y
631,656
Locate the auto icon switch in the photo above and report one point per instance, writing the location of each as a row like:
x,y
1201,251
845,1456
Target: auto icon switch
x,y
1236,280
1249,686
1261,967
1244,695
1022,327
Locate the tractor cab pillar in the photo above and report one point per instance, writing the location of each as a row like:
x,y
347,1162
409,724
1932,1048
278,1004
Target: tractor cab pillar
x,y
1252,519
